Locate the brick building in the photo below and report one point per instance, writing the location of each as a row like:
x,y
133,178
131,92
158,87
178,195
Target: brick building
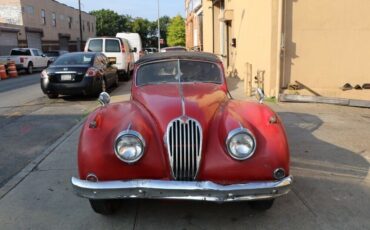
x,y
194,24
44,24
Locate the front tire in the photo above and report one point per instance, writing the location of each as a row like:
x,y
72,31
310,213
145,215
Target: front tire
x,y
124,76
52,95
261,205
103,85
30,68
116,81
104,207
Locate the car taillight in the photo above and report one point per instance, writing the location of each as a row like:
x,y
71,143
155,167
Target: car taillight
x,y
123,49
91,72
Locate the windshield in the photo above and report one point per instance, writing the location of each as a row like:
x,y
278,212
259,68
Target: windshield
x,y
52,54
75,59
178,71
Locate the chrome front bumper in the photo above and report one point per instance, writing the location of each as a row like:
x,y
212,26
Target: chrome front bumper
x,y
181,190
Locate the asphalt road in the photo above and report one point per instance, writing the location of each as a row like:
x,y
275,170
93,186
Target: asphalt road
x,y
30,122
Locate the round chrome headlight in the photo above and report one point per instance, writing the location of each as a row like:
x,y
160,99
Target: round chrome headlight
x,y
241,144
129,146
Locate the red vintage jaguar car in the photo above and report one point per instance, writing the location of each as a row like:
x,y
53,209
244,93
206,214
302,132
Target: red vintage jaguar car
x,y
182,136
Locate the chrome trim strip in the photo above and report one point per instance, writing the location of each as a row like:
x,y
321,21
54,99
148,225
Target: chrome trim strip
x,y
181,190
66,72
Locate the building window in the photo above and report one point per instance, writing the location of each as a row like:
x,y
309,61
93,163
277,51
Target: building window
x,y
83,26
88,26
54,19
43,17
70,22
29,10
92,27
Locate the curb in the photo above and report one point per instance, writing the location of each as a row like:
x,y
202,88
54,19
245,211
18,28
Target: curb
x,y
324,100
19,177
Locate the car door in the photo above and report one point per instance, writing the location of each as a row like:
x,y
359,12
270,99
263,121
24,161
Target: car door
x,y
130,56
102,66
110,70
113,50
43,59
36,58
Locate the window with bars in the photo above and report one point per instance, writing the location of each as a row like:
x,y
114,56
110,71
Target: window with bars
x,y
43,17
54,19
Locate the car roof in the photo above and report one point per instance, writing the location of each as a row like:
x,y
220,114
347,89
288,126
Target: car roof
x,y
203,56
81,53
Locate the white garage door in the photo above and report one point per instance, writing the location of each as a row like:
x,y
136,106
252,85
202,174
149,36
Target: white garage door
x,y
34,40
9,41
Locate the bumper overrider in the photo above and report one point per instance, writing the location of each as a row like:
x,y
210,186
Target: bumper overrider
x,y
182,190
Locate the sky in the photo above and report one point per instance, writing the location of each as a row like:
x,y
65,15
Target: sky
x,y
135,8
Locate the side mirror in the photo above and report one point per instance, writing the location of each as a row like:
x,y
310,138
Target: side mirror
x,y
43,55
104,98
260,95
134,50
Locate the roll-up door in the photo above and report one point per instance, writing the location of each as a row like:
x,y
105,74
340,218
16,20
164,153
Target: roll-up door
x,y
63,43
34,40
9,40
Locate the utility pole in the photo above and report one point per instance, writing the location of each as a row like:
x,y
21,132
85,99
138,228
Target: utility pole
x,y
159,31
79,11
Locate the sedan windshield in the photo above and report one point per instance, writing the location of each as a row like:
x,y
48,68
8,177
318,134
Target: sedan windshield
x,y
178,71
75,59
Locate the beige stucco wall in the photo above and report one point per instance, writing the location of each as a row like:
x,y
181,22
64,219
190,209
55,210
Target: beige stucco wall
x,y
252,26
328,45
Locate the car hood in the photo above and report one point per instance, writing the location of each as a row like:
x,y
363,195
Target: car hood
x,y
167,102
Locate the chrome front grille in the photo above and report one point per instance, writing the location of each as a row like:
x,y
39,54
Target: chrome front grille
x,y
184,145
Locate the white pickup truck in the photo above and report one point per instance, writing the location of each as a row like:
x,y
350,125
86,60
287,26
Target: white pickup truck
x,y
27,59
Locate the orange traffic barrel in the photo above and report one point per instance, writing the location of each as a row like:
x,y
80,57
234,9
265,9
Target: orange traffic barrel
x,y
12,70
3,74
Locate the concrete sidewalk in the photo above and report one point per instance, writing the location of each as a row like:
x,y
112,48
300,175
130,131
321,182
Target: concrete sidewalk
x,y
330,162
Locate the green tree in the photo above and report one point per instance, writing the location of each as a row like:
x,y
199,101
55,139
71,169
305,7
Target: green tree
x,y
109,23
143,27
176,32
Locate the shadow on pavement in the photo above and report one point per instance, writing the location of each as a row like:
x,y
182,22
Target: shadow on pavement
x,y
328,192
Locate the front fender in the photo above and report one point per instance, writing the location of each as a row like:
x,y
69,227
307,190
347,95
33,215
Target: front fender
x,y
96,152
272,149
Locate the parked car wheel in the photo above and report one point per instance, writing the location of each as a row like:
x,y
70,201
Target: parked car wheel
x,y
104,207
116,82
52,95
124,76
30,68
261,205
104,85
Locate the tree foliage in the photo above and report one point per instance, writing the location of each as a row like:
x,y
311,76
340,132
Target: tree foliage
x,y
176,32
109,23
